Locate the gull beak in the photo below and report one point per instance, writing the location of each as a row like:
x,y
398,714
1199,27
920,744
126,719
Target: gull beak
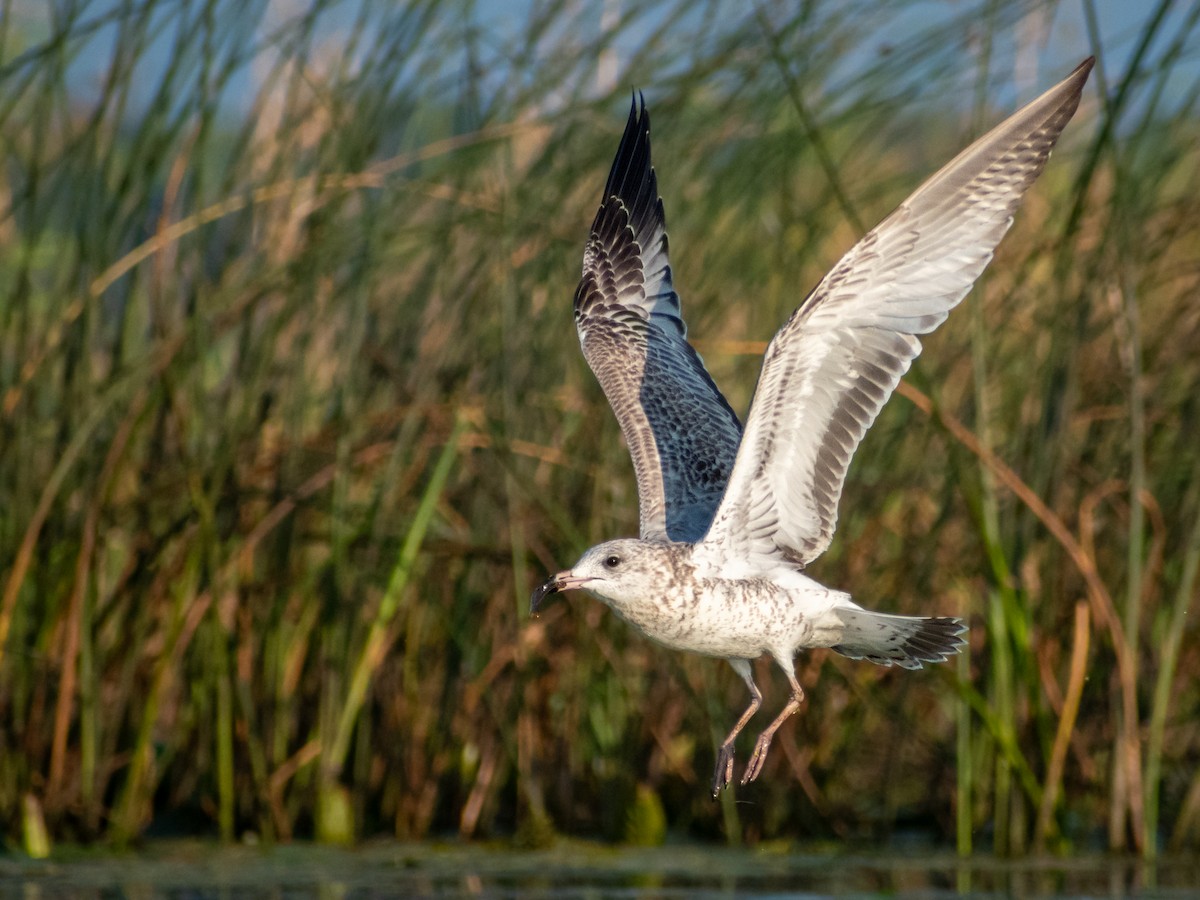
x,y
563,581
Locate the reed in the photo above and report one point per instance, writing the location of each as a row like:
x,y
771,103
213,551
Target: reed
x,y
294,417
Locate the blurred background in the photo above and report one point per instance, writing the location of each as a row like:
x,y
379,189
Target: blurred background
x,y
294,417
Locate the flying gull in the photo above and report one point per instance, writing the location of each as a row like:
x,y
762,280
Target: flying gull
x,y
731,517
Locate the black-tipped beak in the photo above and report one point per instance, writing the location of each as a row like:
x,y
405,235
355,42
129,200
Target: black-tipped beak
x,y
540,593
563,581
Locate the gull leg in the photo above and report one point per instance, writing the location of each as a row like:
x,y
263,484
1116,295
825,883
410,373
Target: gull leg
x,y
763,744
724,771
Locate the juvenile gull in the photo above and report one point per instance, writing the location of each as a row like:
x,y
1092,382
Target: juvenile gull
x,y
730,518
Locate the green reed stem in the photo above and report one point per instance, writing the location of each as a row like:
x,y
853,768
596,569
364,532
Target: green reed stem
x,y
1169,639
375,646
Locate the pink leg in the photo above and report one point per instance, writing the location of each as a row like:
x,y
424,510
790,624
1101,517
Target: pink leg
x,y
763,744
724,772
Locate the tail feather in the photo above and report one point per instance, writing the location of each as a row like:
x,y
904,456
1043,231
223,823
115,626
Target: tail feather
x,y
906,641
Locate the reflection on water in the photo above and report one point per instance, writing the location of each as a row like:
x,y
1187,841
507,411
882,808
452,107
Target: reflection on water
x,y
196,871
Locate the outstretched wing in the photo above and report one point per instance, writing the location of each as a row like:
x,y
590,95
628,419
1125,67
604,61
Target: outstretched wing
x,y
833,365
681,433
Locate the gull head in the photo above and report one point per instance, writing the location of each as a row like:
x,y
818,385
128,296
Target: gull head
x,y
615,570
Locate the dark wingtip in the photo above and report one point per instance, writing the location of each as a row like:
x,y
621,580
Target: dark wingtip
x,y
631,167
1079,75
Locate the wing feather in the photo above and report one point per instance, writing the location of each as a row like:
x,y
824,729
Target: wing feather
x,y
682,434
833,365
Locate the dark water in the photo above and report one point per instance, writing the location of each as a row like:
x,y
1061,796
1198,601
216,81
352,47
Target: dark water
x,y
195,872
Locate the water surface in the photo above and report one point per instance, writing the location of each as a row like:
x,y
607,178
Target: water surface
x,y
195,871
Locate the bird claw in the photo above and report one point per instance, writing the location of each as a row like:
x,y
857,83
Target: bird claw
x,y
724,771
757,758
723,774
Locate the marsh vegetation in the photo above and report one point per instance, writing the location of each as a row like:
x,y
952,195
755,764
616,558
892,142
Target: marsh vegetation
x,y
294,417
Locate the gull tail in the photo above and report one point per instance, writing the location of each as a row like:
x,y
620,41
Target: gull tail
x,y
906,641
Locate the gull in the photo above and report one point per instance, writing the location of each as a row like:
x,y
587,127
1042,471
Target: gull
x,y
730,517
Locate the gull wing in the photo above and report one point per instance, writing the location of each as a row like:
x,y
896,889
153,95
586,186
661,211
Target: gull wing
x,y
833,365
681,432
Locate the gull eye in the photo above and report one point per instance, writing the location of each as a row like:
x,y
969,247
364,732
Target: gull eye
x,y
611,562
